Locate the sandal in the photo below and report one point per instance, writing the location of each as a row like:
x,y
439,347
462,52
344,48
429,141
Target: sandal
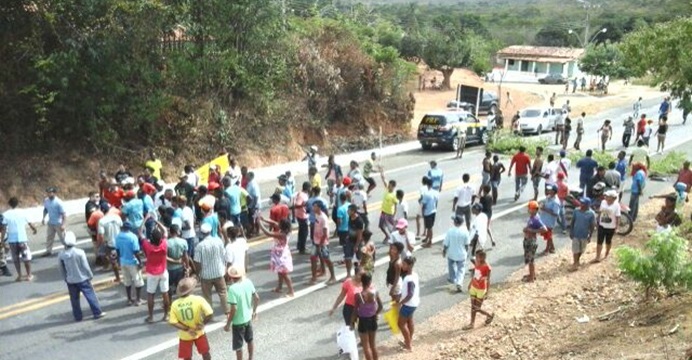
x,y
489,320
149,320
467,327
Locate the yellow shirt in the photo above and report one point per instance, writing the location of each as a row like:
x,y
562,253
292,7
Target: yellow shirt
x,y
389,203
189,311
316,181
243,199
156,165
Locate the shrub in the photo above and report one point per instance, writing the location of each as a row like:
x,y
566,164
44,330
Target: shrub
x,y
670,163
507,143
664,262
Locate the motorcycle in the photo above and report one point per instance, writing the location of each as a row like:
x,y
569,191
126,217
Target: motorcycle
x,y
625,225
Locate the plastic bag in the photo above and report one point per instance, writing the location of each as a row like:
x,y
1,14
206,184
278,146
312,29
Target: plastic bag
x,y
392,318
346,341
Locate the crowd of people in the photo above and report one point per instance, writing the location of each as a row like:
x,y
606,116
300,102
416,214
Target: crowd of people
x,y
190,232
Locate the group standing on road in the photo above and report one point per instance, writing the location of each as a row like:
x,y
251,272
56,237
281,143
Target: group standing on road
x,y
170,238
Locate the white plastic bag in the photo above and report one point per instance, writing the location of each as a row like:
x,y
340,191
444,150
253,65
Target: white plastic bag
x,y
346,341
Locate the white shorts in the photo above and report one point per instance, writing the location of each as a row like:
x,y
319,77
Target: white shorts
x,y
157,282
132,275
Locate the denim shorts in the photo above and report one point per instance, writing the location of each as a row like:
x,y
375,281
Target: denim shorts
x,y
407,311
349,250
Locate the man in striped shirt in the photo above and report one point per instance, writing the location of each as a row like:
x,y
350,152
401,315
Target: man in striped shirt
x,y
210,265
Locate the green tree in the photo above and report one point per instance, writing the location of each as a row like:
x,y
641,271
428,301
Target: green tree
x,y
663,51
445,52
604,60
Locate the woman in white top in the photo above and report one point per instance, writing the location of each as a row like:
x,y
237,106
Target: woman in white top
x,y
409,300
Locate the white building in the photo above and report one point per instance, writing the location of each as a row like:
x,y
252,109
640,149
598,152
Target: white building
x,y
530,63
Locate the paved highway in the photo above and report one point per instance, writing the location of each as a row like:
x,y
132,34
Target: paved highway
x,y
35,318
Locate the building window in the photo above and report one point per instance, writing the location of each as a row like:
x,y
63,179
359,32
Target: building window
x,y
510,62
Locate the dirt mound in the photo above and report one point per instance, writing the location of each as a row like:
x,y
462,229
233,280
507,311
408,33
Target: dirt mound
x,y
594,313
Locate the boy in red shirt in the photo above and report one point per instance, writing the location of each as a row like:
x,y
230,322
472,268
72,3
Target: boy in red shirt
x,y
641,127
478,289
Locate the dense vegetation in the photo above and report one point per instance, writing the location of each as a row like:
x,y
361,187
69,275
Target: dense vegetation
x,y
108,74
181,74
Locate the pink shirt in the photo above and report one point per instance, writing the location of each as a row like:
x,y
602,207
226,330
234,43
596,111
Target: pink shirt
x,y
301,200
351,291
320,225
156,257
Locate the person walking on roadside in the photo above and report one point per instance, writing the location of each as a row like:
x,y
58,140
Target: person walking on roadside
x,y
550,213
320,241
606,131
210,264
127,247
608,220
368,306
478,289
464,197
53,208
648,131
368,168
4,271
75,270
664,108
641,127
243,301
627,133
409,300
156,251
580,131
560,128
552,100
107,231
429,202
349,288
661,134
581,230
485,200
478,234
333,176
496,177
312,157
189,314
586,165
636,107
436,176
403,236
523,163
280,259
178,260
537,171
14,223
637,189
455,248
487,166
388,209
533,227
566,132
301,214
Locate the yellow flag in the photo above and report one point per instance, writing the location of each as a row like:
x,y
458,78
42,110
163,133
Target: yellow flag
x,y
203,171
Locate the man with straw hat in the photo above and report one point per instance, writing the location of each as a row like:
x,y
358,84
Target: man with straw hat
x,y
189,314
242,298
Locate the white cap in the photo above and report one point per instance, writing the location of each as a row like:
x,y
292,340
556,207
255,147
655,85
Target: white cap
x,y
611,193
313,148
70,239
205,228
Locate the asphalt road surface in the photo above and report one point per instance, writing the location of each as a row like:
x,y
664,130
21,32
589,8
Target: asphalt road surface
x,y
36,322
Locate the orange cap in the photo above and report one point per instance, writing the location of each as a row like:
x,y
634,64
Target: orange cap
x,y
533,205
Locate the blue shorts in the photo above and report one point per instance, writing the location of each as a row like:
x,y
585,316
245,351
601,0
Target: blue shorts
x,y
406,311
349,250
321,252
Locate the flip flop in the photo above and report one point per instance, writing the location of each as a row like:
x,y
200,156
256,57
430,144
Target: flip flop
x,y
489,320
467,327
149,320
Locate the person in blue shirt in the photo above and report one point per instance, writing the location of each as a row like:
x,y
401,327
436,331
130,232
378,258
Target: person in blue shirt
x,y
53,208
455,248
586,166
232,192
428,203
133,210
342,218
211,218
436,176
637,189
127,247
581,229
550,211
664,109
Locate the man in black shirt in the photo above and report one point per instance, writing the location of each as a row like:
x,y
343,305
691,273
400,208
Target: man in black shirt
x,y
356,226
183,188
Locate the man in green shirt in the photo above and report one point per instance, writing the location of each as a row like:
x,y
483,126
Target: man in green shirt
x,y
242,298
368,168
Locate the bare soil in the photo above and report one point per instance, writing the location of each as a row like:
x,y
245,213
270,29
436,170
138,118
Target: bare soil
x,y
539,320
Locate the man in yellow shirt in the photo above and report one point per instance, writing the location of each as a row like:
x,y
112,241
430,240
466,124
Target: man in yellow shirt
x,y
155,165
189,314
389,202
